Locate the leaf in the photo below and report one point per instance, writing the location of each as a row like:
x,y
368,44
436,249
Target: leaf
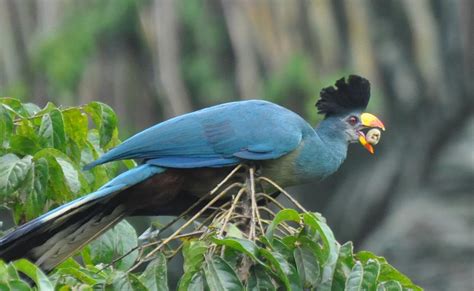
x,y
345,263
197,282
123,281
33,272
387,272
31,108
241,245
155,275
14,106
259,279
330,249
52,130
6,126
193,254
279,265
105,120
77,274
307,265
76,125
220,276
371,274
13,171
64,177
18,285
115,243
283,215
354,281
24,145
390,286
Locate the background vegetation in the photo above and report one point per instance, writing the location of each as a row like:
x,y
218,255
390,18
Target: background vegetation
x,y
150,60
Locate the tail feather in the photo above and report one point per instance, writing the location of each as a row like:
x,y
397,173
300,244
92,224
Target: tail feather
x,y
56,235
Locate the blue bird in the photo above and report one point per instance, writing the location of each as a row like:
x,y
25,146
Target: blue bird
x,y
189,154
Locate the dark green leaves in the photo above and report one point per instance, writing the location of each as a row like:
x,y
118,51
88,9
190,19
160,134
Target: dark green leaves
x,y
155,276
43,151
115,243
307,266
105,120
13,171
220,276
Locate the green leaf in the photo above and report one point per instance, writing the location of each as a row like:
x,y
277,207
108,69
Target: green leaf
x,y
77,274
197,283
283,215
32,271
7,272
14,106
307,265
193,254
105,120
64,177
31,108
155,275
76,125
220,276
241,245
13,171
18,285
330,249
354,281
52,130
259,279
371,275
387,272
281,267
345,263
115,243
6,126
24,145
123,281
390,286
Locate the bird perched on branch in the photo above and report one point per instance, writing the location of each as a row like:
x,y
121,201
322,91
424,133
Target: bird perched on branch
x,y
188,155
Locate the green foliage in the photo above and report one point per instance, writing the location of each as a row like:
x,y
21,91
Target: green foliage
x,y
43,152
310,259
64,56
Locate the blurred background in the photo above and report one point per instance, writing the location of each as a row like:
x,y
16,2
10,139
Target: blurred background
x,y
153,59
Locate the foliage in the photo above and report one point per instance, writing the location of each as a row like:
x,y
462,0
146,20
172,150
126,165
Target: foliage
x,y
42,152
309,259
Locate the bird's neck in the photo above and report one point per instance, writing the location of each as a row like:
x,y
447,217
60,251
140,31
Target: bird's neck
x,y
332,133
324,151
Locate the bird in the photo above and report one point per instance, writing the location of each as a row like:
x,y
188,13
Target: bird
x,y
188,155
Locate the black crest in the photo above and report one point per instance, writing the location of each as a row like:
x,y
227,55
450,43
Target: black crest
x,y
345,97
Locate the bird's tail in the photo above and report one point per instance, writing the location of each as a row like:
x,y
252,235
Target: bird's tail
x,y
58,234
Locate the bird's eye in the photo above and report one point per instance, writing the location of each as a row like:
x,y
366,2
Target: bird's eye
x,y
352,120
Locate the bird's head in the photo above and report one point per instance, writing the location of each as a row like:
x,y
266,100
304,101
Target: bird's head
x,y
345,103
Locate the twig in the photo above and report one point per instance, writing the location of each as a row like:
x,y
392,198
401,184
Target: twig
x,y
226,179
255,211
271,199
231,210
296,203
171,237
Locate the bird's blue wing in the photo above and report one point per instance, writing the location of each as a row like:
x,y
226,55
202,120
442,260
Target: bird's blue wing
x,y
217,136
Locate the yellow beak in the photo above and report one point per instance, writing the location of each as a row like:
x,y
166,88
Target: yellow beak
x,y
369,120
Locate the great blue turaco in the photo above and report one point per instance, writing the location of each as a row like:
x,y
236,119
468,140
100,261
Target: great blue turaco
x,y
186,156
